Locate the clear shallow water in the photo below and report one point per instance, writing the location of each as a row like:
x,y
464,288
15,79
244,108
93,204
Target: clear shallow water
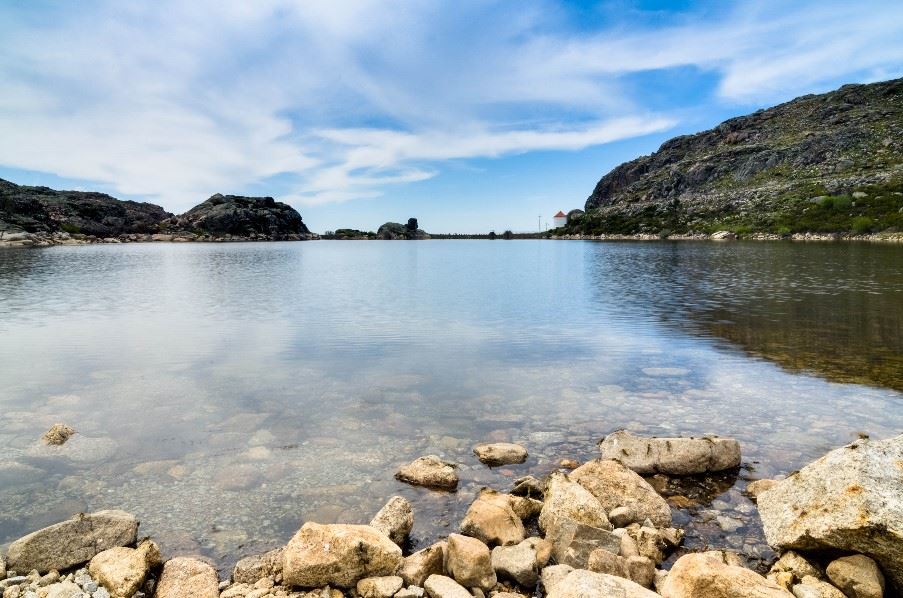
x,y
227,393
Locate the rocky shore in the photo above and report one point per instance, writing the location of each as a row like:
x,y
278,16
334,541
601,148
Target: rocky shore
x,y
729,236
596,529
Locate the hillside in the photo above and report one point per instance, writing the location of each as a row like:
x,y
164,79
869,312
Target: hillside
x,y
820,163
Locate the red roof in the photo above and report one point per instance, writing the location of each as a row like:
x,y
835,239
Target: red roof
x,y
560,214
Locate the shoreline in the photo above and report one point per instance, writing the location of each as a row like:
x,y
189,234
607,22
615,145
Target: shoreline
x,y
599,526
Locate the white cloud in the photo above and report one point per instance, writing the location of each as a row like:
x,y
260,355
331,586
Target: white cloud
x,y
176,100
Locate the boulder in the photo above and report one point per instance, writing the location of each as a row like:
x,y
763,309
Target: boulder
x,y
528,486
500,453
552,575
440,586
429,471
638,569
573,542
672,456
469,562
568,500
417,567
848,500
255,567
338,555
492,520
395,519
122,570
695,575
616,486
754,489
72,542
581,583
379,587
857,576
64,589
184,577
811,587
523,562
242,216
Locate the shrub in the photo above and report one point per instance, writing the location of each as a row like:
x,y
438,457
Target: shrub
x,y
862,225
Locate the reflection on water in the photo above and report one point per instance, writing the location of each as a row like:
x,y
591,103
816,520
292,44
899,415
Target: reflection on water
x,y
226,393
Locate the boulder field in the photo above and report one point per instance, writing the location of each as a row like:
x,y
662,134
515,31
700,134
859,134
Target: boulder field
x,y
604,532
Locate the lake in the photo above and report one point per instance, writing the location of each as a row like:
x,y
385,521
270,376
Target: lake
x,y
225,393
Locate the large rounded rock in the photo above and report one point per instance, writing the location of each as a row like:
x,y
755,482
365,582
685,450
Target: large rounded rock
x,y
523,562
850,500
614,486
492,520
568,500
395,519
123,570
858,576
185,577
338,555
72,542
429,471
253,568
581,583
695,575
469,562
500,453
672,456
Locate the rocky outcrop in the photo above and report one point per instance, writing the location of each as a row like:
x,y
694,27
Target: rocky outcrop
x,y
849,500
43,216
618,487
338,555
695,575
72,542
672,456
41,209
761,171
391,231
242,216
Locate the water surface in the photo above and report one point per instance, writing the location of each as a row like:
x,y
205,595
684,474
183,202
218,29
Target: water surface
x,y
227,393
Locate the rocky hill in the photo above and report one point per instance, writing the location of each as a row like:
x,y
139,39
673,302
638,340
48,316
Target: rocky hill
x,y
43,216
242,216
44,210
820,163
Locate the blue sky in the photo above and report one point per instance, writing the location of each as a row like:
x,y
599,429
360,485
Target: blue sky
x,y
468,115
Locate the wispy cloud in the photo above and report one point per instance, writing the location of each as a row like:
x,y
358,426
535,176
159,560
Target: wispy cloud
x,y
175,100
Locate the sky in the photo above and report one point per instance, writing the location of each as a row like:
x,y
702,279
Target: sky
x,y
468,115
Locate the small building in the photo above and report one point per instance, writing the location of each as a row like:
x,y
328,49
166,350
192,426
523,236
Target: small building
x,y
559,219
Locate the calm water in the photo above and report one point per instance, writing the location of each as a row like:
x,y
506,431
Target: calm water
x,y
227,393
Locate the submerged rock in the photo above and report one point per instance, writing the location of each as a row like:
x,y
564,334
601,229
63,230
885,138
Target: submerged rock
x,y
57,434
395,519
701,574
849,500
616,486
72,542
184,577
673,456
338,555
429,471
500,453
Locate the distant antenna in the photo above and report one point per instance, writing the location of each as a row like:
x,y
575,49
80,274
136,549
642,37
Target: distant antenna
x,y
539,223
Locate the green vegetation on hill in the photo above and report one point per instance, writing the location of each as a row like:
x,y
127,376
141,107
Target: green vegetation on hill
x,y
830,163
